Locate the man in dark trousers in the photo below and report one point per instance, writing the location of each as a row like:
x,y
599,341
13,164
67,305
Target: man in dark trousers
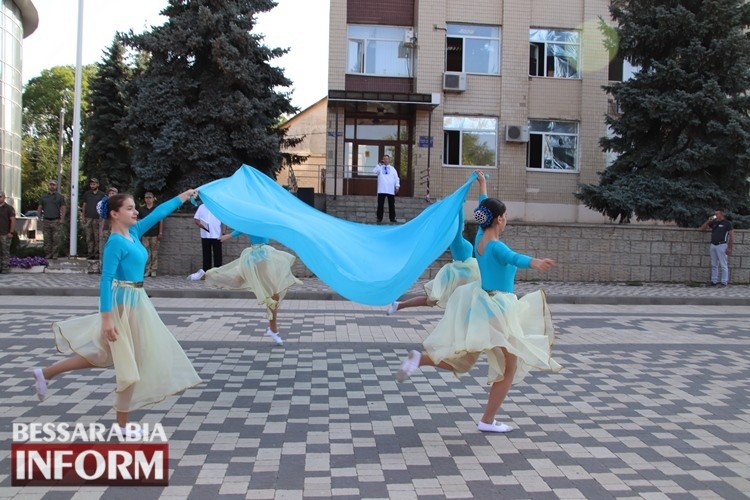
x,y
722,239
90,217
51,211
388,184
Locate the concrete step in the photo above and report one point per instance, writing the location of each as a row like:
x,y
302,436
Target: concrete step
x,y
72,266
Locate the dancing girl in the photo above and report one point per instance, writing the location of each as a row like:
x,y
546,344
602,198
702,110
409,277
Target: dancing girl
x,y
127,333
262,269
486,316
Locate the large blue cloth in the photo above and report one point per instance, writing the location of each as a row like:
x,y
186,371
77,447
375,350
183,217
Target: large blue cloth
x,y
365,263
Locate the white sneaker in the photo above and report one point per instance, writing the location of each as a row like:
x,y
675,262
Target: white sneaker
x,y
408,366
196,276
40,384
393,307
493,427
275,336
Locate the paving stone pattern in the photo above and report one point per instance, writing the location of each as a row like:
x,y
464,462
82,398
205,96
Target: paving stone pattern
x,y
652,403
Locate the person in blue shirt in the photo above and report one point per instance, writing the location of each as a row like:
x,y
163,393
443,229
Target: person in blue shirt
x,y
486,317
464,269
262,269
127,333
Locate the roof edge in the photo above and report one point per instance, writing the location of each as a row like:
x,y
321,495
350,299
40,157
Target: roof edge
x,y
29,16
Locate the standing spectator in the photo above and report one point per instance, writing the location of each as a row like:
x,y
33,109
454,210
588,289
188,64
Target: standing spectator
x,y
90,218
388,184
211,231
7,226
722,239
104,225
51,211
152,237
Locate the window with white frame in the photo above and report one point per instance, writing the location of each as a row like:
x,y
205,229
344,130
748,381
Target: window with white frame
x,y
469,141
378,50
473,49
554,53
553,145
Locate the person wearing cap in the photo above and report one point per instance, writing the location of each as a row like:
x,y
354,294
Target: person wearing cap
x,y
51,212
90,218
152,237
7,225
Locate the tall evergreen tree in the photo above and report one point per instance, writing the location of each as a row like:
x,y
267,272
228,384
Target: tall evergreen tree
x,y
107,153
208,100
683,137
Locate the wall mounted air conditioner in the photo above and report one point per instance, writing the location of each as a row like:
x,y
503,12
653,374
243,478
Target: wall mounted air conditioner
x,y
409,38
454,82
517,133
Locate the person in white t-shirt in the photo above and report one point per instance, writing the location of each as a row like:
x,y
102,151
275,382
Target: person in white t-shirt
x,y
388,184
211,231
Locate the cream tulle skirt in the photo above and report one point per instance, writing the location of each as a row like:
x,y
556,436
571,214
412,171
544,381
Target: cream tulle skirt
x,y
450,277
262,269
476,321
149,363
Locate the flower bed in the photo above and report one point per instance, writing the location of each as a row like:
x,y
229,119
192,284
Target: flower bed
x,y
27,262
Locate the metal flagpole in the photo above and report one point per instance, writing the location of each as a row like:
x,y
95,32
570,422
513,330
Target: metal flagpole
x,y
76,138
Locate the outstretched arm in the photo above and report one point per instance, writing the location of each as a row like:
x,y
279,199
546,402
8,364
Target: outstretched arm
x,y
482,184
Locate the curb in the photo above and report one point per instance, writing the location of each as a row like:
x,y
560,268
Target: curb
x,y
327,295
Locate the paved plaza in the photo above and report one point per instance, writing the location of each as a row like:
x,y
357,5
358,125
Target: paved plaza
x,y
652,403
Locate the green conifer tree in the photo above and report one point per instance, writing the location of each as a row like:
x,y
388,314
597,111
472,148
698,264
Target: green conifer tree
x,y
683,135
107,153
208,100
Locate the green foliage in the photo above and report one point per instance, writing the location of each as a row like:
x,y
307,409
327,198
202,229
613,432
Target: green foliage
x,y
207,101
43,97
683,138
38,165
22,249
107,154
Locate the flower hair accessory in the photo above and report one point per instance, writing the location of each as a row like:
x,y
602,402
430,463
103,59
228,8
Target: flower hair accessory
x,y
483,216
103,208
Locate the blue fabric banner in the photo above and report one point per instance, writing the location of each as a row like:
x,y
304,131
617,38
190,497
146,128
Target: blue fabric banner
x,y
365,263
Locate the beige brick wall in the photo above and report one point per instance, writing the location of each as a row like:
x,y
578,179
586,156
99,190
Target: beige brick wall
x,y
584,252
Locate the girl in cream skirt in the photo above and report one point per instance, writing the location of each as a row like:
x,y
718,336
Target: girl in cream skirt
x,y
127,333
486,317
263,270
149,363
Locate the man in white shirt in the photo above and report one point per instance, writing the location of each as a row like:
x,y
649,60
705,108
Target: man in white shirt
x,y
388,184
211,231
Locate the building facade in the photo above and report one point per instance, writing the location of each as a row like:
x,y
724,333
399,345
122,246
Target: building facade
x,y
444,87
18,20
309,126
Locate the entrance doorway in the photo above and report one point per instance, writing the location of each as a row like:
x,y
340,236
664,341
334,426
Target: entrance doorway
x,y
368,137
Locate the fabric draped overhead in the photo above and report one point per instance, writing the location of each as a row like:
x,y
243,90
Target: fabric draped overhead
x,y
365,263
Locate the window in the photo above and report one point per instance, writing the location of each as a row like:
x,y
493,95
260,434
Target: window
x,y
554,53
473,49
620,70
469,141
553,145
378,50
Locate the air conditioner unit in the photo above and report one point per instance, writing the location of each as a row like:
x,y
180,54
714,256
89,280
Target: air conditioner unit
x,y
517,133
409,38
454,82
